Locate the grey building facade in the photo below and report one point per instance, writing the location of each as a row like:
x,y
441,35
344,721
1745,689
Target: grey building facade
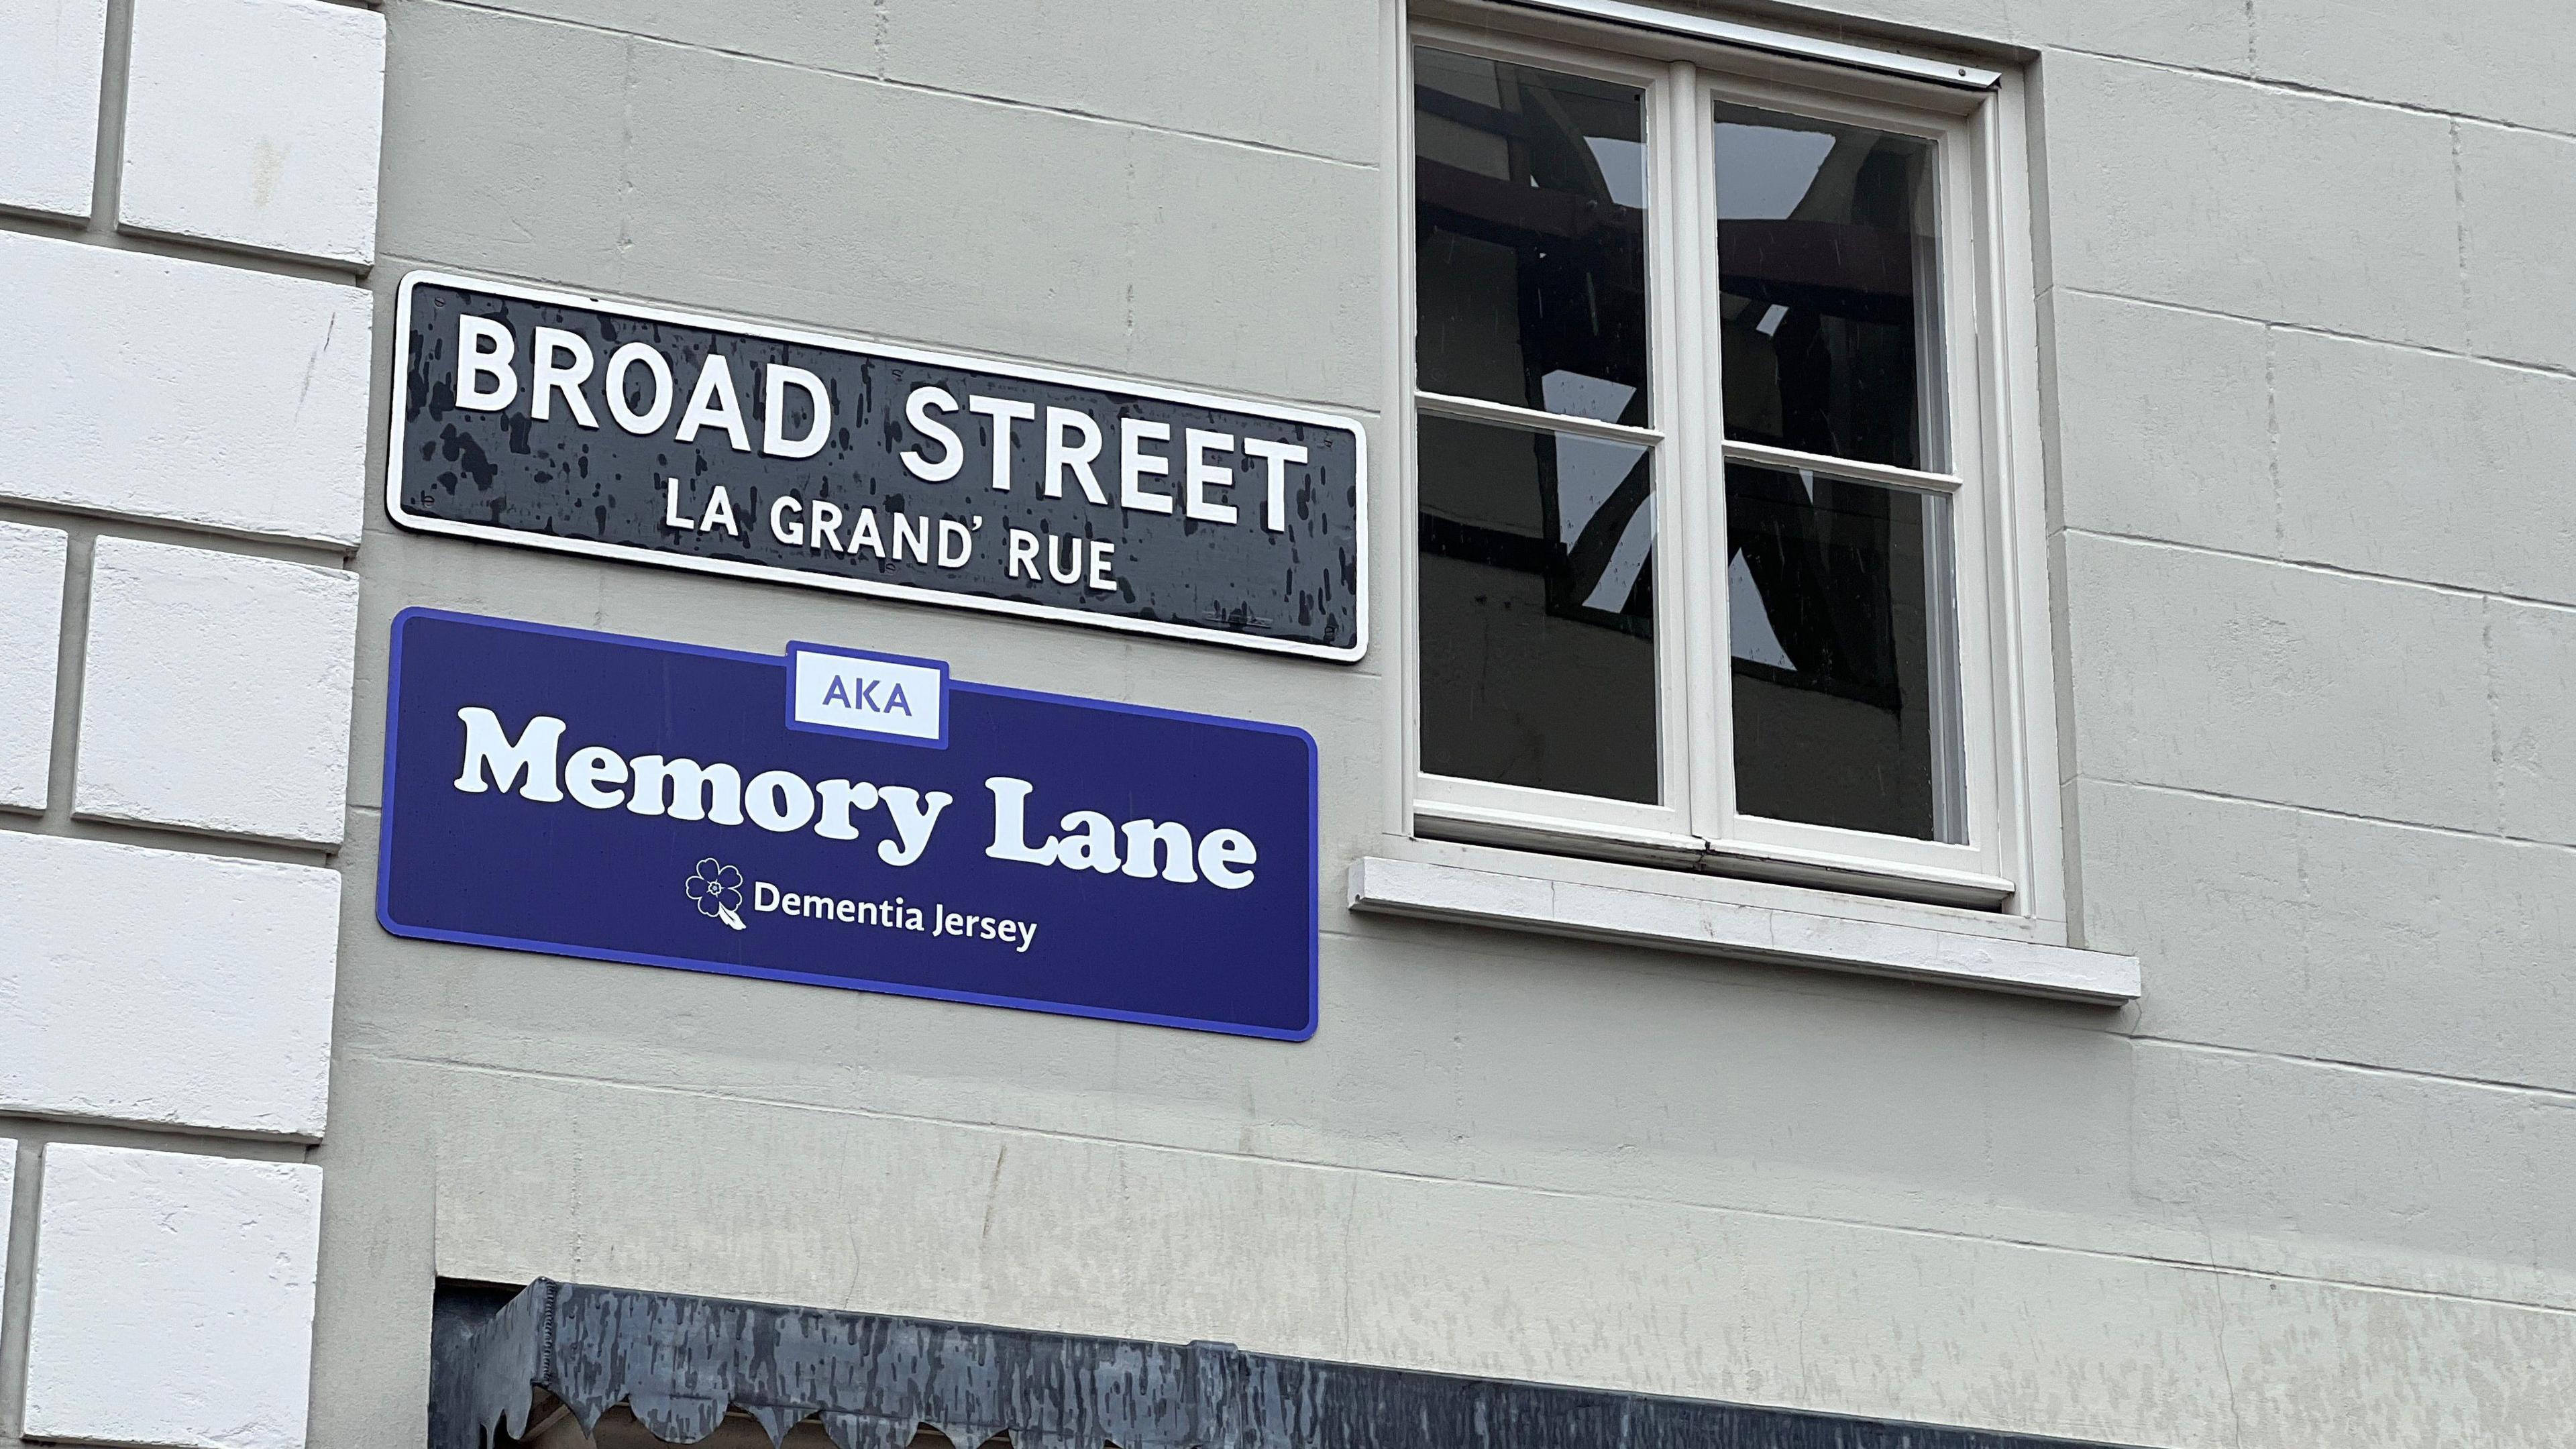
x,y
1947,802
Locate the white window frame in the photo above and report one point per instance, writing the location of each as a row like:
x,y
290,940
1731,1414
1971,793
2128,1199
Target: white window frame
x,y
2011,863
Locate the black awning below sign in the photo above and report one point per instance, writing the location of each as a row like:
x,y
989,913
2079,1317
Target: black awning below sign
x,y
679,1368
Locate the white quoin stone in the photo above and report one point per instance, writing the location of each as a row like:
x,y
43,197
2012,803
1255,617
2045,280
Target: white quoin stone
x,y
165,987
50,53
256,123
217,692
8,1198
255,423
174,1299
31,618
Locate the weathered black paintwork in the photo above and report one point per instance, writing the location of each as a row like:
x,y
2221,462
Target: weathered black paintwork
x,y
678,1363
553,478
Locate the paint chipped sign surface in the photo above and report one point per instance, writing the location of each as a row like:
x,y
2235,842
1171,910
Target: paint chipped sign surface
x,y
627,432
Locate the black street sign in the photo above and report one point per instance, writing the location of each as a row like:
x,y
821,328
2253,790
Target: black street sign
x,y
628,432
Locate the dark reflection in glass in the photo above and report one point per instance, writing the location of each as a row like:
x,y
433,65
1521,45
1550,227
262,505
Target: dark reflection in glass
x,y
1825,261
1538,610
1839,614
1530,237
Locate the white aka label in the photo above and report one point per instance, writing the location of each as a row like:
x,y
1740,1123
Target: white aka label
x,y
872,696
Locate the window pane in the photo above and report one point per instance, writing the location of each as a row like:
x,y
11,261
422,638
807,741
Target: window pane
x,y
1846,693
1538,610
1530,237
1827,288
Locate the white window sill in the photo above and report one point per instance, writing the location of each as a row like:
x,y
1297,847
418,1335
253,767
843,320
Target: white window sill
x,y
1562,906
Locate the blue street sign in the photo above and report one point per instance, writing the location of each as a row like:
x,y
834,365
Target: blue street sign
x,y
846,818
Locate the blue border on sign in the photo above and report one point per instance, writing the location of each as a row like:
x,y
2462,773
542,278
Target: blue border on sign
x,y
799,646
385,821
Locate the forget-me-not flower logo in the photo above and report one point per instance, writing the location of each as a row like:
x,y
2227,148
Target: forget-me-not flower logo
x,y
717,889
